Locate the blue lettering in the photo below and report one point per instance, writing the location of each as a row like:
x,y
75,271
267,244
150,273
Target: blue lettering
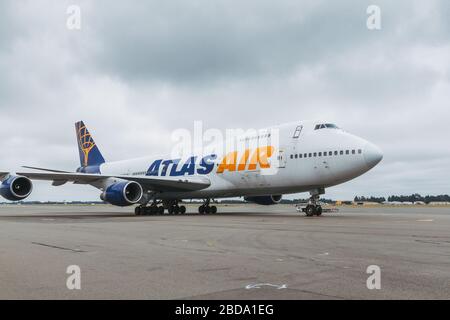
x,y
173,171
154,168
207,164
166,164
187,168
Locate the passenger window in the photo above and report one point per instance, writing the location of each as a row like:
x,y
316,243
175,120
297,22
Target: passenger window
x,y
297,132
320,154
296,156
330,153
347,152
310,155
359,151
353,151
300,155
292,157
335,153
315,154
341,152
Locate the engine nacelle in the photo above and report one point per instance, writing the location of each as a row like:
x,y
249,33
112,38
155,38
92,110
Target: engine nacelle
x,y
123,194
265,200
16,188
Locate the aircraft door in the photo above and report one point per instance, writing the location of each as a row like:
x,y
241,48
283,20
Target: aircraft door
x,y
281,159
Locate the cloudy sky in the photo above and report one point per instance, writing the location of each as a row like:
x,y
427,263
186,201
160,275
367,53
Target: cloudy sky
x,y
137,70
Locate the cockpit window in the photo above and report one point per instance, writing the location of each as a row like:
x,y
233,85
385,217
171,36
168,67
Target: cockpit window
x,y
326,125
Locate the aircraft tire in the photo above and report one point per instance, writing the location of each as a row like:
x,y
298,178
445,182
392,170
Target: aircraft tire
x,y
137,211
161,210
318,210
213,210
182,209
310,210
201,209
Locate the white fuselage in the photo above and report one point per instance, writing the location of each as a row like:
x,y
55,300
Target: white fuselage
x,y
301,161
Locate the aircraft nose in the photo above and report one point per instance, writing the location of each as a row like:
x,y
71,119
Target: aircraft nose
x,y
372,155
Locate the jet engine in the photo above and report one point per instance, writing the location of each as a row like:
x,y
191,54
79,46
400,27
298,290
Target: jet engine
x,y
123,194
16,188
264,200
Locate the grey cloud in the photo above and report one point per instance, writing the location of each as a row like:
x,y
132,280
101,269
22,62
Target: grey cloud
x,y
191,42
203,40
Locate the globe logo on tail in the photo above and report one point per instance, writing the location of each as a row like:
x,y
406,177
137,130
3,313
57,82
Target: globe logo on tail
x,y
85,141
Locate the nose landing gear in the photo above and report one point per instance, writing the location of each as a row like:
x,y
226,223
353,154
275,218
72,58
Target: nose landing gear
x,y
314,207
312,210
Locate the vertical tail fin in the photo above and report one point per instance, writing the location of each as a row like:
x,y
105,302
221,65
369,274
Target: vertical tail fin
x,y
89,153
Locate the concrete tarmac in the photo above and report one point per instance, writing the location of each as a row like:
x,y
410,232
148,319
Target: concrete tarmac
x,y
244,252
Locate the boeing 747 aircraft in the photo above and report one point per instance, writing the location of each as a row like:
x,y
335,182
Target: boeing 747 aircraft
x,y
303,157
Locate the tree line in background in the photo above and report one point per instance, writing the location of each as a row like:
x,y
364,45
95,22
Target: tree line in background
x,y
409,198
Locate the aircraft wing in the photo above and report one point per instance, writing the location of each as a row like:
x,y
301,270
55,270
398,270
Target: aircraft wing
x,y
44,169
3,175
148,182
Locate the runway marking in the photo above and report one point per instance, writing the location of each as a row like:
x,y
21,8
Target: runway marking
x,y
56,247
425,220
323,254
259,285
214,269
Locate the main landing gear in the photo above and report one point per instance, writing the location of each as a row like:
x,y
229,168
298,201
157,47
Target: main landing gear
x,y
174,208
206,208
158,208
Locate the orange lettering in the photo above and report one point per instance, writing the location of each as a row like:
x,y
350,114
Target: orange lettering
x,y
228,162
244,159
261,156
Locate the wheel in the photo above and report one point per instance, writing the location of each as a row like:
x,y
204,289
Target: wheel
x,y
161,210
213,209
176,209
170,210
137,211
207,209
201,209
318,210
310,210
182,209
